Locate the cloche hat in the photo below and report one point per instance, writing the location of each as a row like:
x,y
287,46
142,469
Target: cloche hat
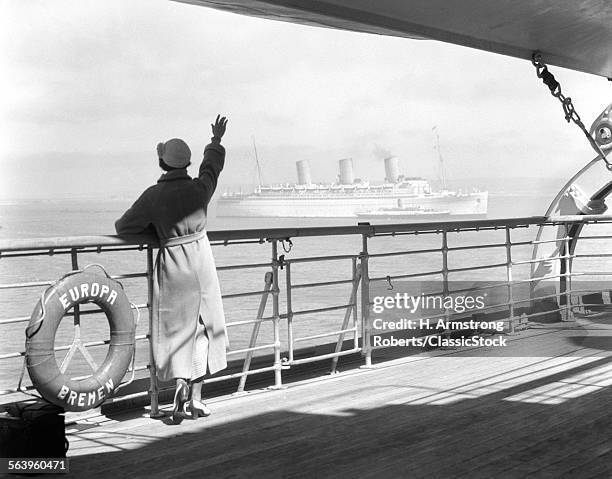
x,y
175,153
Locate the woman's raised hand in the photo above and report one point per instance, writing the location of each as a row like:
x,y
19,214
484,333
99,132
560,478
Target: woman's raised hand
x,y
218,129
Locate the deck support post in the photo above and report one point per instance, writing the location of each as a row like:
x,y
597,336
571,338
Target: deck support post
x,y
511,320
445,288
278,382
366,346
153,383
289,302
568,313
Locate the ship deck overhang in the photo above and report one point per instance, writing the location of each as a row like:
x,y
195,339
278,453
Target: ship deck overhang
x,y
570,34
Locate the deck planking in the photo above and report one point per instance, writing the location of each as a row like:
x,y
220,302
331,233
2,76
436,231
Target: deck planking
x,y
437,414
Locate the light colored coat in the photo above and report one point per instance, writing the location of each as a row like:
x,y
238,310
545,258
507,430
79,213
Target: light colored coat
x,y
185,284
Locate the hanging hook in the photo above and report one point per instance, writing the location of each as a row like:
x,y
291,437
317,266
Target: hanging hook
x,y
390,287
287,249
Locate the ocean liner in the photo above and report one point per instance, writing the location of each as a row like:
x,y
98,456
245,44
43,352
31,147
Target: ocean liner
x,y
349,197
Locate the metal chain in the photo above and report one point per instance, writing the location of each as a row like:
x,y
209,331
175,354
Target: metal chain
x,y
571,115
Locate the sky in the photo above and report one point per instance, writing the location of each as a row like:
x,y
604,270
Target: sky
x,y
88,88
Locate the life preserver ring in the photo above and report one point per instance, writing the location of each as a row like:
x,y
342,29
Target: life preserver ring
x,y
51,383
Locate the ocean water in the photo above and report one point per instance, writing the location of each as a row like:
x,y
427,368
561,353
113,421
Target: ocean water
x,y
53,218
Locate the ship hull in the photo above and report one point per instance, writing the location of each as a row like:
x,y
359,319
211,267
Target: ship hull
x,y
472,204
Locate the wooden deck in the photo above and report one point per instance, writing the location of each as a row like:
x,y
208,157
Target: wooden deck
x,y
542,408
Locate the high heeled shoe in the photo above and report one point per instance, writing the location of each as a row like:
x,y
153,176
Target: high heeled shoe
x,y
198,409
181,396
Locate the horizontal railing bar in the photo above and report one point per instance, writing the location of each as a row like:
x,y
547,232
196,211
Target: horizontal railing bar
x,y
244,266
408,252
237,375
521,243
324,283
69,250
242,295
75,242
8,245
31,284
21,319
247,321
129,275
12,355
314,259
322,310
324,335
556,310
471,247
593,273
255,348
475,268
591,290
497,285
5,392
85,312
227,243
595,237
543,260
594,255
322,357
542,278
393,234
402,276
539,242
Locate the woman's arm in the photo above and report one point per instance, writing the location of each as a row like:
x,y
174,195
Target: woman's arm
x,y
137,219
214,159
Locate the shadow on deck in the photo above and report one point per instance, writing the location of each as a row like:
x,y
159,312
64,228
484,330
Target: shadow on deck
x,y
450,415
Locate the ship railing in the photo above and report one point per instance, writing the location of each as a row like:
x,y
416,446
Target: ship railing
x,y
382,260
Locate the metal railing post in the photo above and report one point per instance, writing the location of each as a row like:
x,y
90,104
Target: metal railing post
x,y
445,288
511,320
289,312
278,382
74,260
568,316
354,308
153,383
365,303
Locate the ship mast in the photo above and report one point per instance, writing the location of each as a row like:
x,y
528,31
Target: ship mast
x,y
442,172
259,182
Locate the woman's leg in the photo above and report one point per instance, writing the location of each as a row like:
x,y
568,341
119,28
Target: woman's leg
x,y
198,408
181,397
196,389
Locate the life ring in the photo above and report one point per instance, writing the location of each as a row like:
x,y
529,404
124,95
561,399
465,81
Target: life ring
x,y
51,383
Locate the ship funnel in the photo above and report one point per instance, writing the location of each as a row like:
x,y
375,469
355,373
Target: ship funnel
x,y
391,169
303,172
346,171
